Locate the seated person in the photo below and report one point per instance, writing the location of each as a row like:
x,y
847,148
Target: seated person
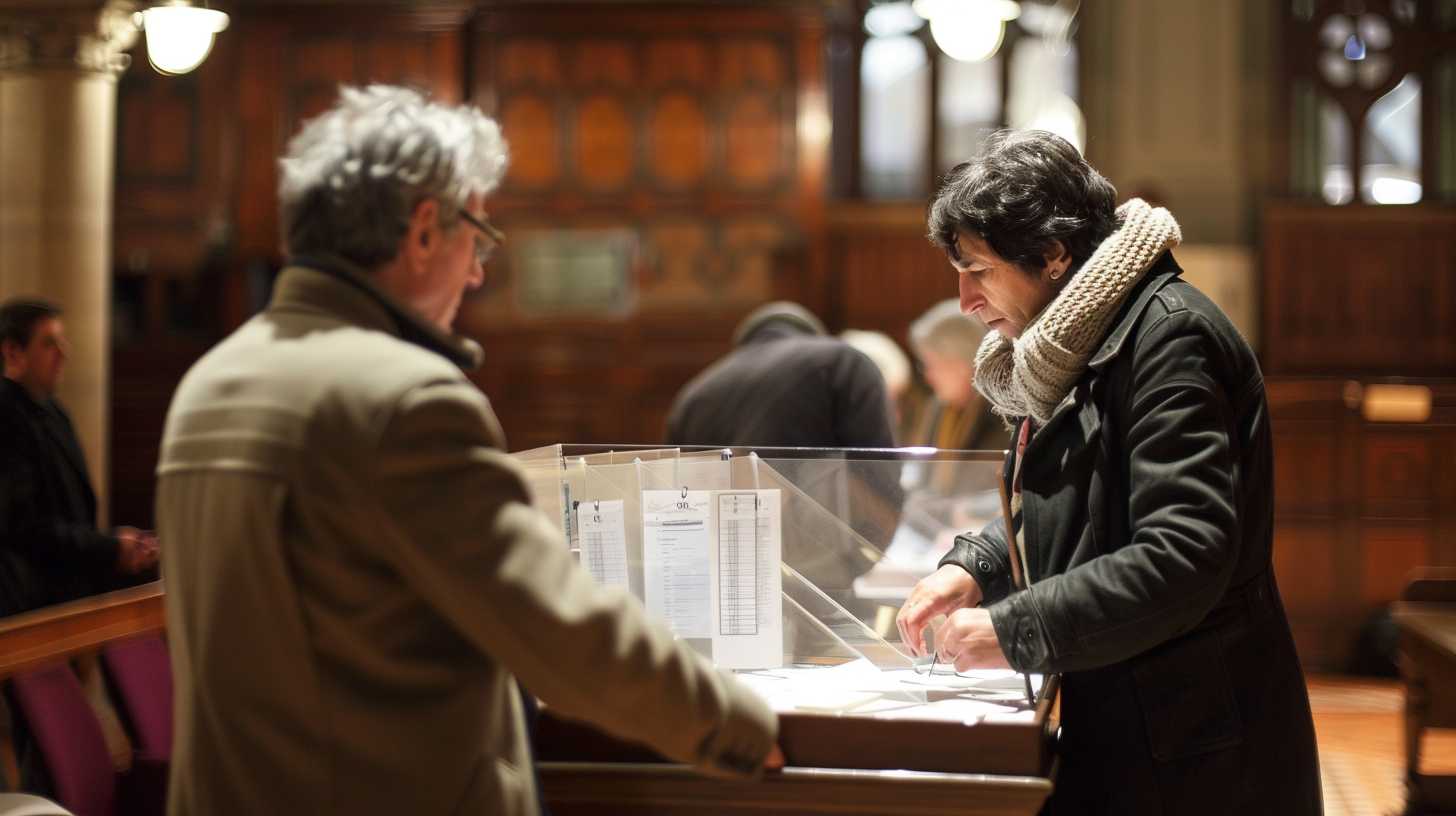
x,y
945,341
50,549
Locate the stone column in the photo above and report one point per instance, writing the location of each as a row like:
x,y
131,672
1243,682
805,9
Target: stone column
x,y
58,69
1177,99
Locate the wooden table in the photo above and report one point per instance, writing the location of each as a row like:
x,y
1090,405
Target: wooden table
x,y
836,765
1428,666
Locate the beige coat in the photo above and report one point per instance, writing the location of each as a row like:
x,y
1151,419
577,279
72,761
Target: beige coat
x,y
355,578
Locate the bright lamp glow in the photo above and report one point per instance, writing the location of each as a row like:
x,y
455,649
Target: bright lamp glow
x,y
1389,190
967,30
179,36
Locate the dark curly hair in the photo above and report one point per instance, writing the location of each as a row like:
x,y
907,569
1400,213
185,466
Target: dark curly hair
x,y
1025,190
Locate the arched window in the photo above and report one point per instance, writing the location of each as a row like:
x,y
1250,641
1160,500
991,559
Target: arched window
x,y
936,76
1372,91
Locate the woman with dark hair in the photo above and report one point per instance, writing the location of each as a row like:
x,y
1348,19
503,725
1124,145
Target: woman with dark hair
x,y
1134,556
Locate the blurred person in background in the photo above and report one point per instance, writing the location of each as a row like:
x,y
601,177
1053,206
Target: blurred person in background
x,y
1134,555
356,574
945,342
50,549
894,367
784,384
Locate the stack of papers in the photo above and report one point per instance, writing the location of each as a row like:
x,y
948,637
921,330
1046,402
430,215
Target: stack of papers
x,y
859,688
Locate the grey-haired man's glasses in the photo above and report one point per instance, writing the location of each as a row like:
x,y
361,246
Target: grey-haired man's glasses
x,y
490,237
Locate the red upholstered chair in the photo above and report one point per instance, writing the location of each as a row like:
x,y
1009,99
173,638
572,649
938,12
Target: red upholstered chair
x,y
141,674
141,677
69,738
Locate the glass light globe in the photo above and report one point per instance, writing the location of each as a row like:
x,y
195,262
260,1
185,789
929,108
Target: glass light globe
x,y
967,33
179,37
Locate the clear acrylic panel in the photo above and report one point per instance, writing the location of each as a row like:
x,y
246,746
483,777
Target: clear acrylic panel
x,y
853,530
858,528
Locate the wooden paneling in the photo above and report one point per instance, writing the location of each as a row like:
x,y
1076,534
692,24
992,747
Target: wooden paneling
x,y
1398,471
1351,291
1358,506
680,125
1389,553
886,272
196,201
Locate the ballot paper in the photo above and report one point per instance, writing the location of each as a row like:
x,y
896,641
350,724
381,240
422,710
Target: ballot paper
x,y
860,688
602,530
746,583
677,559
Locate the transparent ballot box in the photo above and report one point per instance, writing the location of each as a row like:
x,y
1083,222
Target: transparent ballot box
x,y
787,566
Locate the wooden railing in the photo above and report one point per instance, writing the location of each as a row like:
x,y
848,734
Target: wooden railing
x,y
67,630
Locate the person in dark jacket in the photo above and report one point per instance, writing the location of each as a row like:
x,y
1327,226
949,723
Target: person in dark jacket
x,y
1135,554
785,384
50,549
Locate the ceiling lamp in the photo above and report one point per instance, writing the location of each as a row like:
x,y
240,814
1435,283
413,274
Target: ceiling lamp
x,y
968,30
179,34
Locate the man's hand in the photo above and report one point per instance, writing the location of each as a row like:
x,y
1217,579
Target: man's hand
x,y
940,593
969,641
138,551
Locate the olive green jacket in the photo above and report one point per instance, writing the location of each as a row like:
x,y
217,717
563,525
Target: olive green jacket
x,y
355,578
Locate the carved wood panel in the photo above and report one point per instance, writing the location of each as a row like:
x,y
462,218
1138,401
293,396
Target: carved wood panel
x,y
676,125
1352,291
1359,504
887,272
196,207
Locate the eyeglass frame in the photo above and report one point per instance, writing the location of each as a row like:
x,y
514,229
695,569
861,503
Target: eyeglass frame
x,y
483,251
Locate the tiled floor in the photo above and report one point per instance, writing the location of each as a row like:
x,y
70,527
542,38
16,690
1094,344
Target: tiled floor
x,y
1359,724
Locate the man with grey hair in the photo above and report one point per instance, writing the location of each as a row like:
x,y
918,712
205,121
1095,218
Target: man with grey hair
x,y
945,341
356,574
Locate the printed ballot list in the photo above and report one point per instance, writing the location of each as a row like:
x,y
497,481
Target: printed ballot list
x,y
602,530
711,569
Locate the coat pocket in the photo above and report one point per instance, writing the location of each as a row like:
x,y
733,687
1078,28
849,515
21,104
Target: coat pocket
x,y
1187,699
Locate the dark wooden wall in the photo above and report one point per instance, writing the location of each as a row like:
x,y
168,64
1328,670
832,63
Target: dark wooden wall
x,y
1356,297
690,129
699,128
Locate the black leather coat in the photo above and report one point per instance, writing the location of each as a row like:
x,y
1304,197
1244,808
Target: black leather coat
x,y
1148,511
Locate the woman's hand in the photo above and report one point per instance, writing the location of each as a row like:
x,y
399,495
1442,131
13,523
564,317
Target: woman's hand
x,y
940,593
969,641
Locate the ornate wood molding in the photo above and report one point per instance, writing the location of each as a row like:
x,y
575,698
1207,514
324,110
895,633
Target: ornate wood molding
x,y
93,39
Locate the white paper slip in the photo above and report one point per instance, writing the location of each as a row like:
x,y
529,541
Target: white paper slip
x,y
676,559
602,531
746,548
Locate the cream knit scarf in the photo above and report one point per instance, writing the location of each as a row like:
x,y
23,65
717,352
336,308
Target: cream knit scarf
x,y
1032,374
